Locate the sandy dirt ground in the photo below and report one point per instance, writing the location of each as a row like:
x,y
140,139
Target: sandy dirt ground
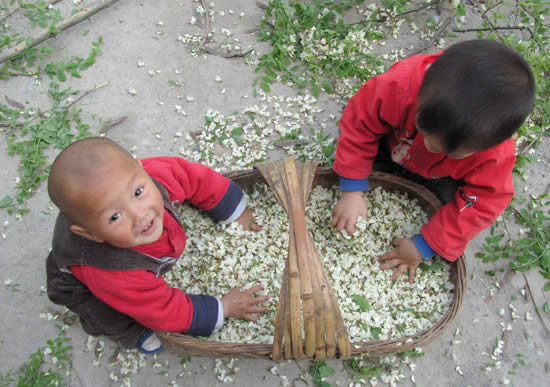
x,y
147,32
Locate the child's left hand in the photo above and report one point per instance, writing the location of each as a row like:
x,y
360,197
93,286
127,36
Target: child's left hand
x,y
404,256
247,221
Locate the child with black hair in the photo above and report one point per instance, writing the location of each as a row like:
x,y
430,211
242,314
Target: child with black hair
x,y
450,117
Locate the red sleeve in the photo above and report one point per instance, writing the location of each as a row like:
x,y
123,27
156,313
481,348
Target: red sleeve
x,y
455,224
140,295
185,180
386,102
368,116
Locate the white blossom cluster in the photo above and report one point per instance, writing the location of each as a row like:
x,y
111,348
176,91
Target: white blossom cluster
x,y
397,309
227,45
320,47
219,257
390,16
244,139
225,368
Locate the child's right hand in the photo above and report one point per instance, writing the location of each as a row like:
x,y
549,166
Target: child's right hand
x,y
243,304
347,210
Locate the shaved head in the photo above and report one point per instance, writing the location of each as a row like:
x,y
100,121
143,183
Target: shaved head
x,y
80,165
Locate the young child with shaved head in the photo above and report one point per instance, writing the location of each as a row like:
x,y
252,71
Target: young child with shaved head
x,y
117,234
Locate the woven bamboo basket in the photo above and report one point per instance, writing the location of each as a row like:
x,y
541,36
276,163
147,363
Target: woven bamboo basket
x,y
292,347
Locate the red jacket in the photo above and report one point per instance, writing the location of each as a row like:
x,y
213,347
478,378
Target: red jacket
x,y
138,293
386,106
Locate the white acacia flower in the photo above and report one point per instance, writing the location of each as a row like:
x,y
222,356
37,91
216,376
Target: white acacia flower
x,y
219,257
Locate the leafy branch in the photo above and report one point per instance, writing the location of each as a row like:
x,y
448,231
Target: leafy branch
x,y
532,250
54,29
31,132
312,46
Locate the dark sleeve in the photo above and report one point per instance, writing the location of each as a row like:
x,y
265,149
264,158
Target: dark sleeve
x,y
205,315
229,203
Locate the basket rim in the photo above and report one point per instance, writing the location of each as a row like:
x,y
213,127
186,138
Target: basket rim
x,y
426,198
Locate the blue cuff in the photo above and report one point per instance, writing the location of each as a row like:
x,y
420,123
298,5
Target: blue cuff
x,y
423,246
354,184
229,203
205,315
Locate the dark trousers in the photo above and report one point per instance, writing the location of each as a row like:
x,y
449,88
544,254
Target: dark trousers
x,y
97,318
444,188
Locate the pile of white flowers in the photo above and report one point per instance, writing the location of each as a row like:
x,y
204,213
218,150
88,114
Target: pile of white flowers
x,y
245,138
392,310
219,257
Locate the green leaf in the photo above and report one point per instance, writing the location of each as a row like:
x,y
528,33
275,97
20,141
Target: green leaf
x,y
327,86
265,86
316,90
375,332
546,308
61,75
53,30
547,286
325,371
364,305
236,134
6,201
545,259
433,267
270,73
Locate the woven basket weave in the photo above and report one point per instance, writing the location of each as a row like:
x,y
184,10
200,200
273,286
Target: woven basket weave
x,y
187,345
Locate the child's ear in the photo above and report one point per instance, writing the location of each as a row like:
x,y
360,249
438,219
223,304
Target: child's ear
x,y
514,136
79,230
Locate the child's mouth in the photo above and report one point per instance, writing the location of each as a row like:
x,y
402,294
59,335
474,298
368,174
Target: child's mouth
x,y
149,228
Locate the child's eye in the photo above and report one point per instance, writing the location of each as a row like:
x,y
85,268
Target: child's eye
x,y
115,216
139,191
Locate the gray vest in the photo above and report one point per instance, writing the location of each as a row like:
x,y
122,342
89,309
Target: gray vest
x,y
70,249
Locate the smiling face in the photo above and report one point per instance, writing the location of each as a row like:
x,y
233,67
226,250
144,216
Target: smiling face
x,y
120,205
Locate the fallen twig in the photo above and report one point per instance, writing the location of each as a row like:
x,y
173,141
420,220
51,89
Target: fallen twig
x,y
490,7
17,73
383,19
261,5
489,23
526,148
285,143
111,124
207,27
85,94
229,54
489,29
13,103
61,26
436,36
537,309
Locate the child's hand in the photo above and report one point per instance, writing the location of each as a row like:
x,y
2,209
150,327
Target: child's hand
x,y
243,304
347,210
404,256
247,221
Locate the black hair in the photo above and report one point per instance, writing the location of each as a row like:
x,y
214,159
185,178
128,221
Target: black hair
x,y
476,94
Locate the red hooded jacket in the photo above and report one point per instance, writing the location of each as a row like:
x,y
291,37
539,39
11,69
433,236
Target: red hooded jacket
x,y
386,106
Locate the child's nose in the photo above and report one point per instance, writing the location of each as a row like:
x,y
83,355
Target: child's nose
x,y
138,212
